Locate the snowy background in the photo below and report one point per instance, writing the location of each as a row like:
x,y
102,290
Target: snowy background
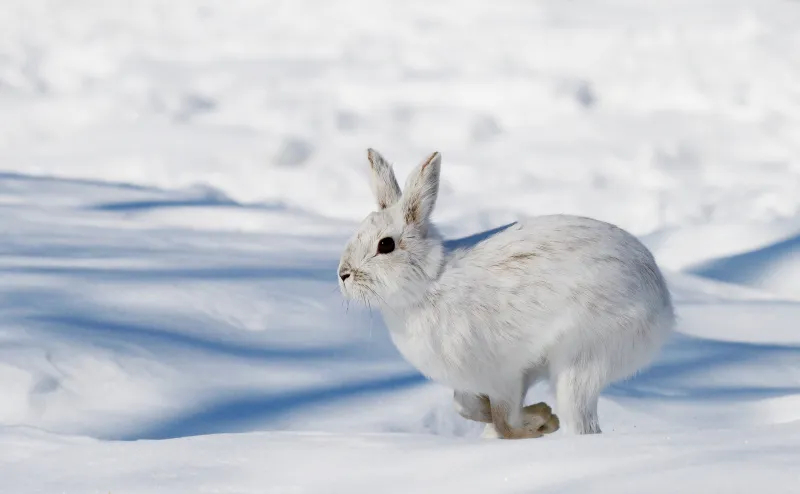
x,y
177,179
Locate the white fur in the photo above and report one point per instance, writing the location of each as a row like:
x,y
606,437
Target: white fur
x,y
572,300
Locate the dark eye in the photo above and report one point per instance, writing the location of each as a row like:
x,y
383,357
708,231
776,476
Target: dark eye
x,y
386,245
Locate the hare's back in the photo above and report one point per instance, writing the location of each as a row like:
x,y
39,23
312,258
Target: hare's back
x,y
568,253
558,237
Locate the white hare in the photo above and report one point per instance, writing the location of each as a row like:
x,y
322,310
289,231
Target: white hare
x,y
572,300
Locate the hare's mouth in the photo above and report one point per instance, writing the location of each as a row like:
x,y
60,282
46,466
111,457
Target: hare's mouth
x,y
358,287
357,293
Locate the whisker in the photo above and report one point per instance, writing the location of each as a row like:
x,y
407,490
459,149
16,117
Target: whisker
x,y
381,299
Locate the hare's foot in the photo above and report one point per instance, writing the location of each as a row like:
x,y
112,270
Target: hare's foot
x,y
511,423
506,420
539,417
538,420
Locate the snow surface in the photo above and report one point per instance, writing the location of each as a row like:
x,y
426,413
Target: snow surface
x,y
178,179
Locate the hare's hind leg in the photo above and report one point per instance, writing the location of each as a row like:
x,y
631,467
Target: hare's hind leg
x,y
577,392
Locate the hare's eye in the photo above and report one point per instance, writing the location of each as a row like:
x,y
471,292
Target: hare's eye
x,y
386,245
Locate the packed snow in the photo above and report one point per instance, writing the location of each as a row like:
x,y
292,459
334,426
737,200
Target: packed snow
x,y
177,181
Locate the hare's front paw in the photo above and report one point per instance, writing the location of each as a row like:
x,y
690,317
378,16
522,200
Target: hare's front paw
x,y
538,419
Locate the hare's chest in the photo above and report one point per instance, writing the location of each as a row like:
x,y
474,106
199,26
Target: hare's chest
x,y
435,353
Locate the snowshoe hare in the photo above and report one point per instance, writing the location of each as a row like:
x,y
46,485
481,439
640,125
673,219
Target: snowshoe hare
x,y
572,300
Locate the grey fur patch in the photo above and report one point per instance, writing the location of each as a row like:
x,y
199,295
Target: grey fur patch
x,y
515,260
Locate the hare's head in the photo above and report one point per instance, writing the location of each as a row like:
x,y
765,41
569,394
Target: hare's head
x,y
396,252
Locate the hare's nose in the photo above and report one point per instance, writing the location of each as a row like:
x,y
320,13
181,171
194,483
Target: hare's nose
x,y
344,275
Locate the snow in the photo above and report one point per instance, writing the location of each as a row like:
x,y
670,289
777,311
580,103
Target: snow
x,y
177,180
283,462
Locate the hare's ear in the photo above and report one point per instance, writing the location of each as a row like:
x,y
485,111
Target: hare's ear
x,y
421,190
384,185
